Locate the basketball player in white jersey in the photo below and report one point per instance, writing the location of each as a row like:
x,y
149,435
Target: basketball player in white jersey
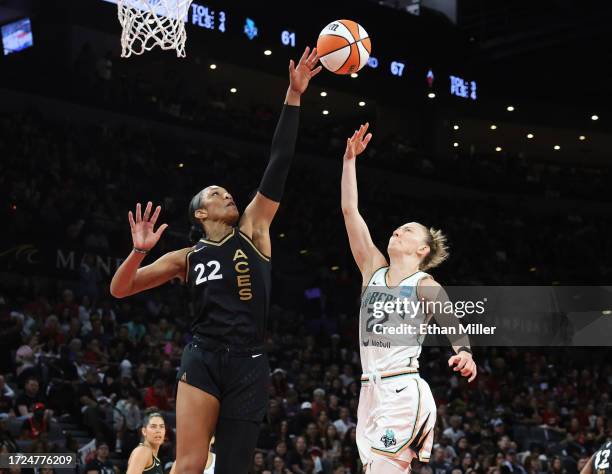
x,y
397,412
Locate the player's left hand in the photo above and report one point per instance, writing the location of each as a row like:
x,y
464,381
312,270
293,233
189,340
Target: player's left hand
x,y
300,75
464,364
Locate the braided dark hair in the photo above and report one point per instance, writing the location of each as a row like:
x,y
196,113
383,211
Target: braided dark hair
x,y
195,232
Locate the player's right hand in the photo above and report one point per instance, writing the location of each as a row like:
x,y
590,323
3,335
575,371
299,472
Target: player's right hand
x,y
357,143
464,364
143,236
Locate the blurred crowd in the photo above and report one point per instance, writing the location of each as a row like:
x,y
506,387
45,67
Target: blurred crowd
x,y
74,183
100,364
166,95
77,365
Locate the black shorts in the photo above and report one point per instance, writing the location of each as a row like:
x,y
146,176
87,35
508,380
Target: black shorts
x,y
239,378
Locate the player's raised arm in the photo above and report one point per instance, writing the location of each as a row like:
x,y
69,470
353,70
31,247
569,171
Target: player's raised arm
x,y
365,253
261,210
129,278
430,290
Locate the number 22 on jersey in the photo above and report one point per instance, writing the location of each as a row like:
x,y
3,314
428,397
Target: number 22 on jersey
x,y
213,275
243,277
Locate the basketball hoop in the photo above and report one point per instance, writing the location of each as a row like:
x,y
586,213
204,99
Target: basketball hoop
x,y
150,23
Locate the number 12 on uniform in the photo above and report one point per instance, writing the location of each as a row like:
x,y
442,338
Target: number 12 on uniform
x,y
602,460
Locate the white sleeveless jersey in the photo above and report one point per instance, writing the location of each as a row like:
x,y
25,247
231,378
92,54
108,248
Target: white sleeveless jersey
x,y
381,351
211,469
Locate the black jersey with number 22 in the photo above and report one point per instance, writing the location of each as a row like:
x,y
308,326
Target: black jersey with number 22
x,y
230,282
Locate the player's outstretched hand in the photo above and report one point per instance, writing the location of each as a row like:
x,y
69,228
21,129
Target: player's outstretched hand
x,y
143,236
357,143
464,364
300,75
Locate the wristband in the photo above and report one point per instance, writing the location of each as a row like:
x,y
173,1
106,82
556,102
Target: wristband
x,y
144,252
464,349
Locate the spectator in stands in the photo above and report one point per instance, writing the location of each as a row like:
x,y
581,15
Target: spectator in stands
x,y
165,329
7,397
38,423
291,404
338,468
311,435
439,463
344,422
298,455
320,465
279,466
259,463
318,401
350,458
301,419
331,442
6,438
136,328
101,463
96,331
333,408
453,432
347,376
556,466
127,419
174,348
280,450
512,462
25,358
26,401
67,308
534,466
167,374
143,377
157,396
95,407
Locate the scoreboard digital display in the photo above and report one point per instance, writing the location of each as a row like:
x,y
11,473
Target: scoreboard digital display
x,y
253,26
459,87
17,36
205,17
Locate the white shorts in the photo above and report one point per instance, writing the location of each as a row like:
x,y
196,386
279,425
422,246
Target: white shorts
x,y
396,417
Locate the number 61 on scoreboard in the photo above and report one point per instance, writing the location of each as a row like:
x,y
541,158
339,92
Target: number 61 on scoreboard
x,y
288,38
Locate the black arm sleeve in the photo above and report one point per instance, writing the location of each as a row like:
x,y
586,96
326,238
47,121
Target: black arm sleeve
x,y
283,148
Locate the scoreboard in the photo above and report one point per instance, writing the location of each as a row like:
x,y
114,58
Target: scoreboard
x,y
400,61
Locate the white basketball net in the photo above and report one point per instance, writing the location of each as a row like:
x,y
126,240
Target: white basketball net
x,y
150,23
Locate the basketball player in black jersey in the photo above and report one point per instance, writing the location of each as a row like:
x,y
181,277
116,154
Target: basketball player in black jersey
x,y
600,462
144,456
224,371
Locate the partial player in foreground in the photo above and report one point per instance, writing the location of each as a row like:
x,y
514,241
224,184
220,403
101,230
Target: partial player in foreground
x,y
224,373
144,456
397,412
600,462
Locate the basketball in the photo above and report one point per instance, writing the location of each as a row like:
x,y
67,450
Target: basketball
x,y
344,47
